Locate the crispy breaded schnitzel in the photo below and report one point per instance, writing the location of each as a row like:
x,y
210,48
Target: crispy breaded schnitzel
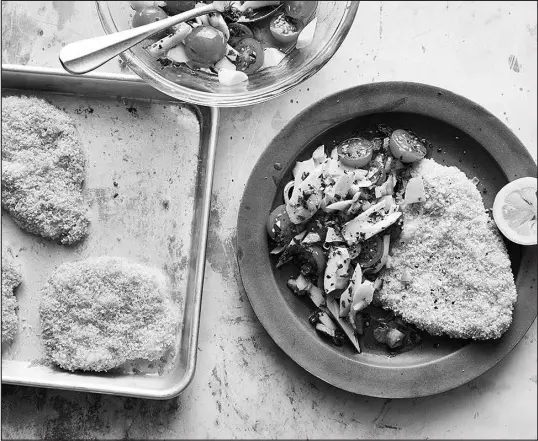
x,y
99,313
461,281
42,170
11,278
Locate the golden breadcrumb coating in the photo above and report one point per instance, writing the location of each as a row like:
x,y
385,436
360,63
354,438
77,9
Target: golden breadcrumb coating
x,y
461,281
11,278
100,313
42,170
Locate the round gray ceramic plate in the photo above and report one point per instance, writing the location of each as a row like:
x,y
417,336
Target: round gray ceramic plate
x,y
464,134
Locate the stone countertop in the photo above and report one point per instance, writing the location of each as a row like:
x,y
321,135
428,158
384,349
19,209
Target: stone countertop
x,y
245,386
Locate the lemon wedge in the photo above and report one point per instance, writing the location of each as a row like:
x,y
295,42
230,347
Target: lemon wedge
x,y
515,211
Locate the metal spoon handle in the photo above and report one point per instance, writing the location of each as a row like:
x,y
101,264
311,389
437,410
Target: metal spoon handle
x,y
86,55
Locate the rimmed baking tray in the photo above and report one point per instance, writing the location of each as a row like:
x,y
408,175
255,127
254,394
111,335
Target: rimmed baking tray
x,y
150,162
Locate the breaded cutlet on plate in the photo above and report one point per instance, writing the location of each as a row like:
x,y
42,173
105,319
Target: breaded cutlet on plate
x,y
461,283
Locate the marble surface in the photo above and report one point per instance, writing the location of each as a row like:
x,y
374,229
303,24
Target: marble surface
x,y
245,386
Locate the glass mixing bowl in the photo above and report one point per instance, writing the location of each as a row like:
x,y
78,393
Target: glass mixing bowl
x,y
334,21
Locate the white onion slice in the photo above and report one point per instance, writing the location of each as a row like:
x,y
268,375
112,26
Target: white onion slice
x,y
230,77
225,64
272,57
415,192
178,54
307,34
287,188
338,206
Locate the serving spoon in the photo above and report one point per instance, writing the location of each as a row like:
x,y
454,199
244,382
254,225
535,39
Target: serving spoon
x,y
84,56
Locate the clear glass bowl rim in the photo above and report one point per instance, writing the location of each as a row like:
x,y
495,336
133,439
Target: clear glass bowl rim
x,y
236,99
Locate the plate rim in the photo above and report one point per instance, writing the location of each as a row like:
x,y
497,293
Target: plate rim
x,y
287,330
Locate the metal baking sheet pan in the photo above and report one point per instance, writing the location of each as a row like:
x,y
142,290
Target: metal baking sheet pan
x,y
148,183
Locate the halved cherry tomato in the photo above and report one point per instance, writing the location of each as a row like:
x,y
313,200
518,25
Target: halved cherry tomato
x,y
205,45
371,252
302,11
174,8
250,57
279,226
285,29
406,146
355,152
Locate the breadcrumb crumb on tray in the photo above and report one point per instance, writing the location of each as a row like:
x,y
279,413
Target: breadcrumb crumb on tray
x,y
145,165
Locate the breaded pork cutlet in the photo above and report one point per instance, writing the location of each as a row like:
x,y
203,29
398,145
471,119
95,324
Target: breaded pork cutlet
x,y
11,278
461,283
99,313
42,170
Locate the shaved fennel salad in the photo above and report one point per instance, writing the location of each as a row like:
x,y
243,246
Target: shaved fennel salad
x,y
342,210
231,45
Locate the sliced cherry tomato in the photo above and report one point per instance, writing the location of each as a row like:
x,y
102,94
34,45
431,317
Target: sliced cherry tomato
x,y
371,252
285,29
302,11
355,152
250,57
279,226
406,146
174,8
205,45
